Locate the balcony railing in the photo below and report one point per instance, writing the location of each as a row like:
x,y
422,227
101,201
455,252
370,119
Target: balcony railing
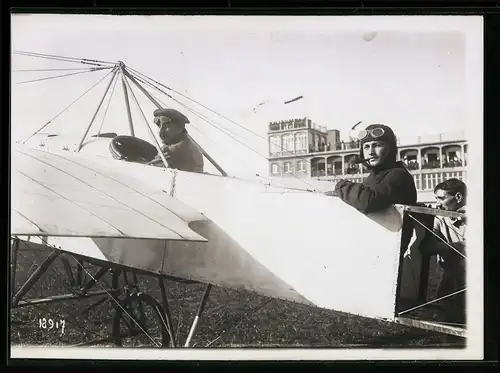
x,y
425,180
412,166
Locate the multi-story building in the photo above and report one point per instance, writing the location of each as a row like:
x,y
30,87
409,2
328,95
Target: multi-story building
x,y
298,147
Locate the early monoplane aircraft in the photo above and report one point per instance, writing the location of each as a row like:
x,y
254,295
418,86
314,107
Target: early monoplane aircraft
x,y
101,203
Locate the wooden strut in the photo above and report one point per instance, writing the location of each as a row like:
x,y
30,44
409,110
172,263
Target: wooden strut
x,y
115,71
155,140
432,326
201,307
168,315
127,102
159,106
35,276
15,249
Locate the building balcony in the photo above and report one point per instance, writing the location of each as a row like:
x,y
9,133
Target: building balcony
x,y
425,179
452,164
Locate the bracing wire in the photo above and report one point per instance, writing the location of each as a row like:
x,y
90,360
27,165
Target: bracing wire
x,y
107,292
439,237
204,118
201,116
200,104
64,75
165,163
432,301
209,121
64,58
40,70
168,88
109,103
280,146
67,107
248,313
196,102
195,127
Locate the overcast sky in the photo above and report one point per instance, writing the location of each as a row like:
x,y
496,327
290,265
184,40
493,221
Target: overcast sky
x,y
411,75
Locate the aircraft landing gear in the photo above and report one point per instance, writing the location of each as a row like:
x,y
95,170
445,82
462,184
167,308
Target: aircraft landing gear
x,y
139,320
148,321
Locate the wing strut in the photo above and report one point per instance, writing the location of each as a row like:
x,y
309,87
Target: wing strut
x,y
157,104
157,144
115,70
127,102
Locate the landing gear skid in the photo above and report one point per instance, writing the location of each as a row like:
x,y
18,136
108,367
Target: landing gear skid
x,y
131,314
138,317
141,316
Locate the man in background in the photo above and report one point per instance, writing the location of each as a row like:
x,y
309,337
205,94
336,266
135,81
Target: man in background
x,y
450,248
179,150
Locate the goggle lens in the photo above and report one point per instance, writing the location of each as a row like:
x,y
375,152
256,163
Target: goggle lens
x,y
376,132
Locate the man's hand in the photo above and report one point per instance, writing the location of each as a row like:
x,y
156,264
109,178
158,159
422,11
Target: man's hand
x,y
336,191
157,161
332,193
341,183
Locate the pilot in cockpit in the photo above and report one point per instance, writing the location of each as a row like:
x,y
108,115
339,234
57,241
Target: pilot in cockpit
x,y
388,183
179,150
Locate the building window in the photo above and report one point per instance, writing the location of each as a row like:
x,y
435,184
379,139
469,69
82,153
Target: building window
x,y
301,141
432,157
301,166
287,142
274,126
274,142
288,167
275,169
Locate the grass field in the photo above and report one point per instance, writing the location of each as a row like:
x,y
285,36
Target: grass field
x,y
228,319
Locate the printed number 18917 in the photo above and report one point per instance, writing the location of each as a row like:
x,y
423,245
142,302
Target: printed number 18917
x,y
49,324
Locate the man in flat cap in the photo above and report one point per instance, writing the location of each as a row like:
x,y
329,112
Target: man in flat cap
x,y
179,150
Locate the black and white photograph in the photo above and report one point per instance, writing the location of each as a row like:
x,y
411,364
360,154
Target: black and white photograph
x,y
246,187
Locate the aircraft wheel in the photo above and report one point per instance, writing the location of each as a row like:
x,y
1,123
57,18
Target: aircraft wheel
x,y
139,321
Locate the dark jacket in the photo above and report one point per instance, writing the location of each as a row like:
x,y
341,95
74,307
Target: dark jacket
x,y
182,154
385,186
382,188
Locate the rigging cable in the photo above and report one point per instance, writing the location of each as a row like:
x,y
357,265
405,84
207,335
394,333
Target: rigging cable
x,y
161,84
148,95
192,110
111,297
204,106
198,103
158,147
65,69
86,61
109,103
204,118
437,236
208,120
197,129
67,107
64,75
72,59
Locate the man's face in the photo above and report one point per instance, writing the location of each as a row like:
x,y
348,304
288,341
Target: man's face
x,y
167,129
375,151
447,201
